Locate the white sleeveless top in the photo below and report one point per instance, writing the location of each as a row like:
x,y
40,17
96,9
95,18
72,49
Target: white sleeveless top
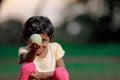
x,y
48,63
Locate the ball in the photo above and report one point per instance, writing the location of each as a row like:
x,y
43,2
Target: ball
x,y
36,38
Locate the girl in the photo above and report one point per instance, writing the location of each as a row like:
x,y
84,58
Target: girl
x,y
41,61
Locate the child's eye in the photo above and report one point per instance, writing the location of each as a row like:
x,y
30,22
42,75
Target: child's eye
x,y
44,40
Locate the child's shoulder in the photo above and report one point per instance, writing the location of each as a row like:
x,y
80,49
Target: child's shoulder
x,y
55,45
23,48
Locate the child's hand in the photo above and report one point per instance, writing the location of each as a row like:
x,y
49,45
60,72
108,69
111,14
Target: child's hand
x,y
39,76
34,76
36,48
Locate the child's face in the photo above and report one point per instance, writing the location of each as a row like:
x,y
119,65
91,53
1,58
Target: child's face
x,y
45,40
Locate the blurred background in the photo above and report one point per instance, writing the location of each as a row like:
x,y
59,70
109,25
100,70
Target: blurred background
x,y
88,30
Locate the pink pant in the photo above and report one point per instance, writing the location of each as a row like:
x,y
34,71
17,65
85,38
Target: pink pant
x,y
60,73
26,70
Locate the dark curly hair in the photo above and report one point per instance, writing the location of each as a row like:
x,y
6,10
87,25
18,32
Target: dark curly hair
x,y
38,25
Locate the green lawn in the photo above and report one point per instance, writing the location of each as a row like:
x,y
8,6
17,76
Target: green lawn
x,y
84,62
79,68
93,68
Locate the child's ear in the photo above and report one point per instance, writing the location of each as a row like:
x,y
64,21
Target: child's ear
x,y
51,38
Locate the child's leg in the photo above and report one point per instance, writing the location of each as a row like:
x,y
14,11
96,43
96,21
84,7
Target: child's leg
x,y
26,70
60,74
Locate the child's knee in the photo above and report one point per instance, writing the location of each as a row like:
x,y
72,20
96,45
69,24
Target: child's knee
x,y
28,67
26,70
61,74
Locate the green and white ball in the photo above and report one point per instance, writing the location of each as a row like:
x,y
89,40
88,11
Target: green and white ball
x,y
36,38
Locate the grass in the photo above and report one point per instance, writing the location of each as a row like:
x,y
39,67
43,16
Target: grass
x,y
79,68
83,62
93,68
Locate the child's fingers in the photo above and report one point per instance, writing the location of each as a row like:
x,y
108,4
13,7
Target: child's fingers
x,y
35,46
35,75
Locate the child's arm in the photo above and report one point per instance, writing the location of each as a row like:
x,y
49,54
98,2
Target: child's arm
x,y
29,57
22,58
60,63
32,53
